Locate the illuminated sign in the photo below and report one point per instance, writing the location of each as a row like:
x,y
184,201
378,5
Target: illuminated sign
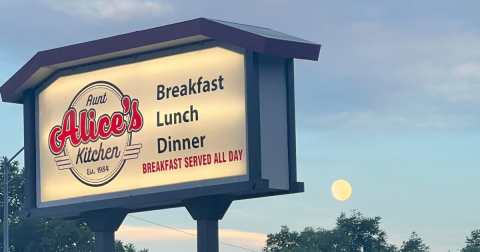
x,y
174,119
195,114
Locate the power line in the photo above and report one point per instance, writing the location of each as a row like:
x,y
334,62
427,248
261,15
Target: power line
x,y
151,222
162,225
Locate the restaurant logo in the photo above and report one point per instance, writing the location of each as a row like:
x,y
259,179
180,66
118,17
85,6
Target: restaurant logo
x,y
94,139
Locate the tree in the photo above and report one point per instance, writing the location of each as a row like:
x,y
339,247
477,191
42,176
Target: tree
x,y
51,235
129,247
363,233
16,189
42,235
473,242
414,244
352,233
323,240
39,234
308,240
282,240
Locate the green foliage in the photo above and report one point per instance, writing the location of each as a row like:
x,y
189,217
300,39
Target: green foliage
x,y
309,239
322,240
352,233
473,242
44,235
362,232
16,189
414,244
129,247
282,240
50,235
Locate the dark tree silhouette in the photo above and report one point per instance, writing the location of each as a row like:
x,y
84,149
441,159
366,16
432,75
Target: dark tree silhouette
x,y
43,235
414,244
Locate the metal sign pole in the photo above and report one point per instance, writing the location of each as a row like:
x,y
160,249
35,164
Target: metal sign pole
x,y
207,236
6,162
5,205
207,211
104,223
104,241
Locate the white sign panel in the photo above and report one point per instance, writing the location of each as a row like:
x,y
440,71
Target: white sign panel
x,y
174,119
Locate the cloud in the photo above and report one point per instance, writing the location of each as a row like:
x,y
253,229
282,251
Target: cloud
x,y
468,70
112,10
150,233
385,121
410,55
463,83
457,83
398,75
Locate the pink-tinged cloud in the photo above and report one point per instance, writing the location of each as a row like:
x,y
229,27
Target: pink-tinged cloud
x,y
133,234
113,10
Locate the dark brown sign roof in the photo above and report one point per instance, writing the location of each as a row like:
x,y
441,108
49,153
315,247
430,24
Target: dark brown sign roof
x,y
257,39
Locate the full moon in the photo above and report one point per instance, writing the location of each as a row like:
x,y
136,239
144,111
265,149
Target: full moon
x,y
341,190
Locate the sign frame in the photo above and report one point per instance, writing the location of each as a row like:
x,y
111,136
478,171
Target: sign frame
x,y
256,185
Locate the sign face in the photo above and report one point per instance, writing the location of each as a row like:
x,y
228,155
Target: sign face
x,y
173,120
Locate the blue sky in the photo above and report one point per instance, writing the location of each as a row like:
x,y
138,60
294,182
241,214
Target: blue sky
x,y
392,106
